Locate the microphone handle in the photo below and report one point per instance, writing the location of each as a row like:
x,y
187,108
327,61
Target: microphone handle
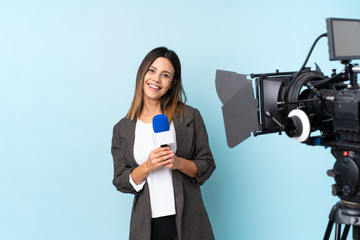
x,y
164,145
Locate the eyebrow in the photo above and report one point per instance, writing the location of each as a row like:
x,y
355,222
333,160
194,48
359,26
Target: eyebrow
x,y
163,71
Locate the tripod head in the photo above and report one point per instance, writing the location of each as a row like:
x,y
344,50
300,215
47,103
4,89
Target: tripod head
x,y
346,173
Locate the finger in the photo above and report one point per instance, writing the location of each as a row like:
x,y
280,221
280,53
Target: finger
x,y
160,149
163,154
164,158
168,164
158,153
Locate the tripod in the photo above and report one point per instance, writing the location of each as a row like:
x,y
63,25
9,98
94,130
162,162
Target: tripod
x,y
344,213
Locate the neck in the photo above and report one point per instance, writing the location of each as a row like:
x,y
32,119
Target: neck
x,y
149,110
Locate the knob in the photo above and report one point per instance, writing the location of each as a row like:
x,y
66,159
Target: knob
x,y
335,190
331,173
348,189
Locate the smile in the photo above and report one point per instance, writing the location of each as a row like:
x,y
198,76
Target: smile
x,y
153,86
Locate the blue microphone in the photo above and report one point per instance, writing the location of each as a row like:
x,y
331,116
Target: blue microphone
x,y
162,130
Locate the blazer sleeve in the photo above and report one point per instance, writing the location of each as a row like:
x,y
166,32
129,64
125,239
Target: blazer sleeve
x,y
122,168
203,157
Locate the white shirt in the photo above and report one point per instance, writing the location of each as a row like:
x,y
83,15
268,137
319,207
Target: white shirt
x,y
160,182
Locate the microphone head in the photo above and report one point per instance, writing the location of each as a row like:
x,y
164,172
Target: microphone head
x,y
160,123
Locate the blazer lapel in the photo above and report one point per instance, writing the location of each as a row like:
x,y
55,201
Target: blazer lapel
x,y
184,135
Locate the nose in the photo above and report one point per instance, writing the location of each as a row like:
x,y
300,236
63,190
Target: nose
x,y
157,77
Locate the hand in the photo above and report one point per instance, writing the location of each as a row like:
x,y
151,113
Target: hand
x,y
174,162
159,157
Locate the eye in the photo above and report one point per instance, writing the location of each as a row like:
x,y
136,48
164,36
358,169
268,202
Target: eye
x,y
165,75
151,70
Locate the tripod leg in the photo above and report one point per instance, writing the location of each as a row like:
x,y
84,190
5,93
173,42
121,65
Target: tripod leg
x,y
328,230
356,232
345,232
337,231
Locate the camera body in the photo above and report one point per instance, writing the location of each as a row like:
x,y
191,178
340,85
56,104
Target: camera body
x,y
321,104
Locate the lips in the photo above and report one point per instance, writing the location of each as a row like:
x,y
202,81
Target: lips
x,y
152,86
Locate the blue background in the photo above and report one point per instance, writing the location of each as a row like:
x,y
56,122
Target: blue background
x,y
67,75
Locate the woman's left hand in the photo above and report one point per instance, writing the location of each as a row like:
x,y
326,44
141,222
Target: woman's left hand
x,y
174,164
183,165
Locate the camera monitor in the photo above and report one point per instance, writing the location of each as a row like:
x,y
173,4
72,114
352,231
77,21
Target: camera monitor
x,y
343,38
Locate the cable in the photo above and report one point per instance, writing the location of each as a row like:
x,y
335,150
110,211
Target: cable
x,y
303,66
312,48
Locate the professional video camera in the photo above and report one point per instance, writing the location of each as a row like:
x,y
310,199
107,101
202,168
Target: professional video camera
x,y
305,102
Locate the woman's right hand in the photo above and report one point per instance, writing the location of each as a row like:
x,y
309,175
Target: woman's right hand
x,y
158,158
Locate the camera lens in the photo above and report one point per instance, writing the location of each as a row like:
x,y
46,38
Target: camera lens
x,y
293,126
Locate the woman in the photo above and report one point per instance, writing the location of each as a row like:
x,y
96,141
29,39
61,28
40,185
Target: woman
x,y
165,180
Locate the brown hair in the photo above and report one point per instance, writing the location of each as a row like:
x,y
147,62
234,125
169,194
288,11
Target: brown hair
x,y
173,99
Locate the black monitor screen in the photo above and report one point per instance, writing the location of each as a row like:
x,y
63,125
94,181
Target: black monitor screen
x,y
343,38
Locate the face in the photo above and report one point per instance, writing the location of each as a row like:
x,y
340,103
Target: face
x,y
158,79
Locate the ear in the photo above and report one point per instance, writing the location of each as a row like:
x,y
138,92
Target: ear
x,y
173,83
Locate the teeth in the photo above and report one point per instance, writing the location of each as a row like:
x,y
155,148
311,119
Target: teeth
x,y
153,86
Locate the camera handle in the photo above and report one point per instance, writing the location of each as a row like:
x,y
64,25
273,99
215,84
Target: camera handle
x,y
351,72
